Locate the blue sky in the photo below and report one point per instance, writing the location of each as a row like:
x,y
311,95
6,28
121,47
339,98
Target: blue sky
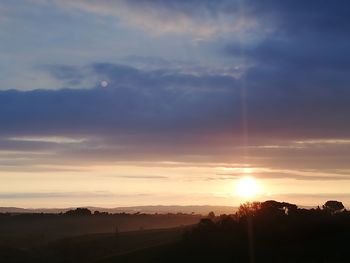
x,y
197,94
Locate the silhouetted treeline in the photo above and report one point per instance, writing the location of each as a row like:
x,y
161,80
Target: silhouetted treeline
x,y
28,229
270,231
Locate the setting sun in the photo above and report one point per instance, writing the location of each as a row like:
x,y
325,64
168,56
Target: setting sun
x,y
247,187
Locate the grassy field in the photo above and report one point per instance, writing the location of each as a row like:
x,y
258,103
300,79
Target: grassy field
x,y
30,239
93,247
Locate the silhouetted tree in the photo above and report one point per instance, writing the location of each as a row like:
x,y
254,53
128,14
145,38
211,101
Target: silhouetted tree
x,y
333,206
272,231
78,212
274,208
248,209
211,215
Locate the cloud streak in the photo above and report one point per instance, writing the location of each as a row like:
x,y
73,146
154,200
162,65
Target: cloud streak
x,y
198,18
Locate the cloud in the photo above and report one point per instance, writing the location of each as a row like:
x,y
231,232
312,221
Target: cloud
x,y
325,141
3,13
303,51
199,18
49,139
289,100
172,112
300,65
203,18
142,176
168,101
146,101
166,115
265,173
55,195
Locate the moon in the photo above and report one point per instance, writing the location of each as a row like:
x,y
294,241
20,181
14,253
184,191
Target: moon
x,y
104,83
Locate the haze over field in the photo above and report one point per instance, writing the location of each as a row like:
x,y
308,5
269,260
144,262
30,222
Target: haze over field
x,y
129,103
203,210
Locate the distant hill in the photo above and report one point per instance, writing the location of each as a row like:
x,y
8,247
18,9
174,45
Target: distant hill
x,y
160,209
30,210
197,209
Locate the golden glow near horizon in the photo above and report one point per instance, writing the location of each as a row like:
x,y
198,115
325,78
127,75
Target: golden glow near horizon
x,y
162,183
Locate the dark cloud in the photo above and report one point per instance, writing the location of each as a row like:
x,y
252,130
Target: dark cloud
x,y
300,68
302,17
162,102
70,74
306,44
135,101
294,85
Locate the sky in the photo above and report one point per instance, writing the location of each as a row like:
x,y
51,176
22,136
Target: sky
x,y
172,102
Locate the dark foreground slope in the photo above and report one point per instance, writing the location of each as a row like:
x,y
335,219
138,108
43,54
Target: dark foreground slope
x,y
79,236
259,232
92,247
29,229
266,232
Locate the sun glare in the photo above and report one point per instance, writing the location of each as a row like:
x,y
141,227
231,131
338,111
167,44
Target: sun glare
x,y
247,186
